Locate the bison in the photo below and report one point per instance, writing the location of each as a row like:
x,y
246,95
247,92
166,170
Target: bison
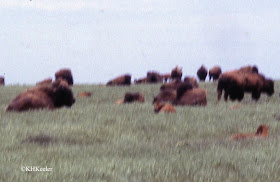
x,y
154,77
176,73
202,73
214,73
140,80
130,97
163,107
65,74
249,69
167,95
236,83
120,80
192,81
2,81
166,77
51,96
195,96
262,132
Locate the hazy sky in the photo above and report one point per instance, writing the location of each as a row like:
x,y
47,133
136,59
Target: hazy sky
x,y
101,39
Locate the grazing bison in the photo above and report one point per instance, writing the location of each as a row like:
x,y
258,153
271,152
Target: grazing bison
x,y
196,96
235,83
140,80
51,96
262,132
2,80
163,107
65,74
84,94
120,80
176,73
192,81
202,73
214,73
45,81
154,77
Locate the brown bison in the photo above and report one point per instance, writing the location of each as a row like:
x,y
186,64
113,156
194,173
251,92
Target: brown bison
x,y
262,132
45,81
192,81
130,97
120,80
163,107
173,85
65,74
2,80
202,73
167,95
214,73
236,83
176,73
84,94
154,77
195,96
51,96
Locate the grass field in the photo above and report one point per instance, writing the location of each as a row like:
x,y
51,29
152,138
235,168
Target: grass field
x,y
97,140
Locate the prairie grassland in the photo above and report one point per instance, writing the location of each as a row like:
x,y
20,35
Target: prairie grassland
x,y
97,140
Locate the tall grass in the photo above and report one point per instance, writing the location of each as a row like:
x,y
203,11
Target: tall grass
x,y
97,140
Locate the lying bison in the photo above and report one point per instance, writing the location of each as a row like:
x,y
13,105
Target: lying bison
x,y
51,96
130,97
186,95
65,74
214,73
202,73
2,80
120,80
191,80
163,107
236,83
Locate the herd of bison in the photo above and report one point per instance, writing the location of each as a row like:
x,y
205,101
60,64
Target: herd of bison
x,y
174,90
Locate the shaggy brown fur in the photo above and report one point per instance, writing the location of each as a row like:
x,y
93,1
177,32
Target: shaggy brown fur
x,y
154,77
261,132
65,74
196,96
2,80
202,73
192,81
163,107
249,69
120,80
46,81
173,85
84,94
51,96
176,73
214,73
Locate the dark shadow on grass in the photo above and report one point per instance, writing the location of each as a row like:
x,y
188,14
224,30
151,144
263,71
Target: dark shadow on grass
x,y
41,139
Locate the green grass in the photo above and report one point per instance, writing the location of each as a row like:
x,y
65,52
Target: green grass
x,y
97,140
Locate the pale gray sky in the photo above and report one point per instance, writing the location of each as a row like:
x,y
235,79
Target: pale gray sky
x,y
100,39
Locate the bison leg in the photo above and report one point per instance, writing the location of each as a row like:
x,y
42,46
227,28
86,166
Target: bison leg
x,y
226,96
256,95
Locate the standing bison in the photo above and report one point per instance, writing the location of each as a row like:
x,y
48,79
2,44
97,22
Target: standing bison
x,y
235,83
176,73
120,80
65,74
202,73
51,96
214,73
2,81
